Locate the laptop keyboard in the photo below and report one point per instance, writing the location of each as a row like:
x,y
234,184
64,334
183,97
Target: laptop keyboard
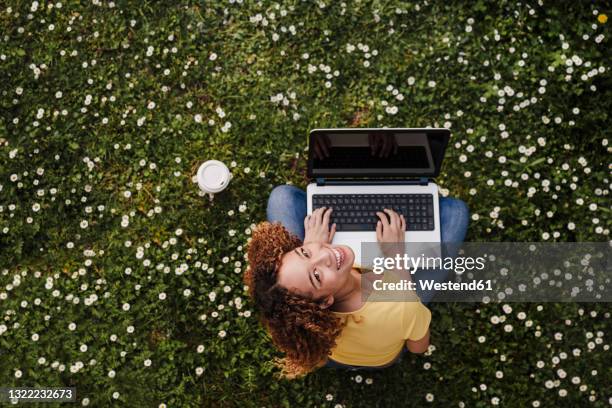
x,y
357,212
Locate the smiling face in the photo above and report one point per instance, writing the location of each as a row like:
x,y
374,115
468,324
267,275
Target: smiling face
x,y
316,270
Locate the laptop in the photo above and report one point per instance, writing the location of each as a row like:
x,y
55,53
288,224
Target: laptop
x,y
358,171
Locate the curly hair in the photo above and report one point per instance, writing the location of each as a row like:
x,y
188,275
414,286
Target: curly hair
x,y
299,327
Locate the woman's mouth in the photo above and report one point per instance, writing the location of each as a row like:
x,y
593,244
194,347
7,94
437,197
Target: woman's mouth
x,y
340,257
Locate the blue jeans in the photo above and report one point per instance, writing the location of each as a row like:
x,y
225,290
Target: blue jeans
x,y
287,204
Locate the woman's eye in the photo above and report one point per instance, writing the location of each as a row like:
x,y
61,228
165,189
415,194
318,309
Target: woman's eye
x,y
316,274
304,253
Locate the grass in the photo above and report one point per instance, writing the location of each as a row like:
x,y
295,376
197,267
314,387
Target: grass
x,y
98,100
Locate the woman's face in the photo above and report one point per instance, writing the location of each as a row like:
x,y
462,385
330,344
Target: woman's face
x,y
316,270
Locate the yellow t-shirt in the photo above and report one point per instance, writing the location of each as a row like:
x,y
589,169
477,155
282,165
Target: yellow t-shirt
x,y
375,333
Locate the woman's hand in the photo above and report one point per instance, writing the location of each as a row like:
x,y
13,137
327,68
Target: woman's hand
x,y
316,226
391,232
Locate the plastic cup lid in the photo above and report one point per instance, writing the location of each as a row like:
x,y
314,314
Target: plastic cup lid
x,y
213,176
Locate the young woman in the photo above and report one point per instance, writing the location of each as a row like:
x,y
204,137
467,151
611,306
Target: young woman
x,y
309,293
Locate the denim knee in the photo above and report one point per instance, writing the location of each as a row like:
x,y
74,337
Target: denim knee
x,y
281,195
460,209
454,220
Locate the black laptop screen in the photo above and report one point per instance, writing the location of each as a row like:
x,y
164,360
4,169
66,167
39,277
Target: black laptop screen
x,y
365,153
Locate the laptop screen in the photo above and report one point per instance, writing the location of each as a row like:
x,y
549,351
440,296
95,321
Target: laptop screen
x,y
338,153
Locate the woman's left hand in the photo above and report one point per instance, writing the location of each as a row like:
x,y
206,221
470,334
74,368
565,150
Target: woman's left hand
x,y
316,226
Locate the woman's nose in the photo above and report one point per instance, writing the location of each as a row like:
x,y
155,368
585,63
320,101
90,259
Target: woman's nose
x,y
324,255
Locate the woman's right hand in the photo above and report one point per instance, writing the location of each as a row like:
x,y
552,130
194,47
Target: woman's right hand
x,y
391,232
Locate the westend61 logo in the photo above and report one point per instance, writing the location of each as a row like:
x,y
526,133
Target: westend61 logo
x,y
490,271
406,262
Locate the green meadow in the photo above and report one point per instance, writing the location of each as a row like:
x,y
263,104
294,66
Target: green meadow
x,y
120,278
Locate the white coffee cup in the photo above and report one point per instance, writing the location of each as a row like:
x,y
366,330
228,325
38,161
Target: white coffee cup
x,y
213,176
